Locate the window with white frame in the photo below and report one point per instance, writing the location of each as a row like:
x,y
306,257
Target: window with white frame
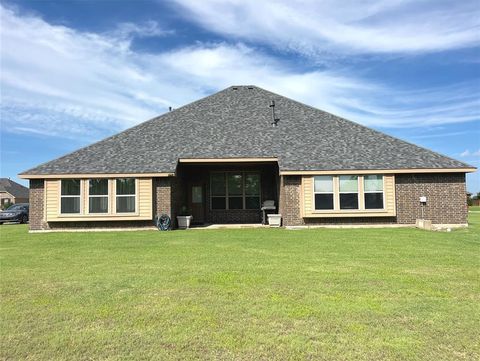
x,y
70,196
323,192
348,191
234,190
125,197
342,192
98,195
373,191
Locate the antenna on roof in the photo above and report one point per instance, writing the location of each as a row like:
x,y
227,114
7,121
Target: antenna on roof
x,y
274,119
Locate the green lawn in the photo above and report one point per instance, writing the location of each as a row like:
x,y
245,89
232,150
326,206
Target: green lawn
x,y
271,294
474,209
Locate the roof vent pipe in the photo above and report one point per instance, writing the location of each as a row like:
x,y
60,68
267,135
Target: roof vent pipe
x,y
274,119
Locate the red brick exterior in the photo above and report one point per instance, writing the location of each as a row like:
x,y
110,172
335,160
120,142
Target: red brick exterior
x,y
167,197
289,202
99,225
446,201
446,198
162,201
37,199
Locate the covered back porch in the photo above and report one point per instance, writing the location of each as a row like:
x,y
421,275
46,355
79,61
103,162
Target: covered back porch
x,y
222,192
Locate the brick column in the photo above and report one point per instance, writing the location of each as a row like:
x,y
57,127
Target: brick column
x,y
289,200
37,205
163,196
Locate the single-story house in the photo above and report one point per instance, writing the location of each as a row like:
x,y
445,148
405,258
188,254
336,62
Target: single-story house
x,y
222,156
12,192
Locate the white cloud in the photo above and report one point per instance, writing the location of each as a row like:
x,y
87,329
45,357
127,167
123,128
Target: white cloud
x,y
147,29
372,26
59,81
467,153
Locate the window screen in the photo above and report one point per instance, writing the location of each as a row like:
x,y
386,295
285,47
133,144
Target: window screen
x,y
125,195
98,196
373,191
323,191
70,196
348,192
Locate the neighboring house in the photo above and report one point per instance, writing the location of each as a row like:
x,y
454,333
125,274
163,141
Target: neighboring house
x,y
473,200
223,155
11,192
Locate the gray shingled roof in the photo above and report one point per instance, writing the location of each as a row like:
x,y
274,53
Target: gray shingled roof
x,y
236,122
15,189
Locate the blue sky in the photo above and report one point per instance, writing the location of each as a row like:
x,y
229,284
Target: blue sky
x,y
74,72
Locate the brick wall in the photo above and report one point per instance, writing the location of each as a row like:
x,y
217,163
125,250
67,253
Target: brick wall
x,y
446,204
446,198
162,200
162,203
234,216
167,197
289,202
37,191
446,201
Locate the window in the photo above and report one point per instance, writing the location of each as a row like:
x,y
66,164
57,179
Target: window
x,y
125,195
235,190
252,191
218,191
323,192
373,191
343,192
348,192
197,195
98,196
70,196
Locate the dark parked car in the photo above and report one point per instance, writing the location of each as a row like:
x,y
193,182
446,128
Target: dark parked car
x,y
15,213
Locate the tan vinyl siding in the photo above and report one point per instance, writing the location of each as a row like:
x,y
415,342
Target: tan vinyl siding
x,y
307,183
145,192
389,184
143,206
309,206
52,196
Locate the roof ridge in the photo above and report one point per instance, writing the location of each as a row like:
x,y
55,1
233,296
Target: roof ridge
x,y
211,127
364,126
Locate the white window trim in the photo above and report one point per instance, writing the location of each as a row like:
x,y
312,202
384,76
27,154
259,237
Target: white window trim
x,y
126,195
332,193
336,196
383,194
98,196
357,192
80,196
243,195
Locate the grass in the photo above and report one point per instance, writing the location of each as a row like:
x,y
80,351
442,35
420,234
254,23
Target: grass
x,y
324,294
474,209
